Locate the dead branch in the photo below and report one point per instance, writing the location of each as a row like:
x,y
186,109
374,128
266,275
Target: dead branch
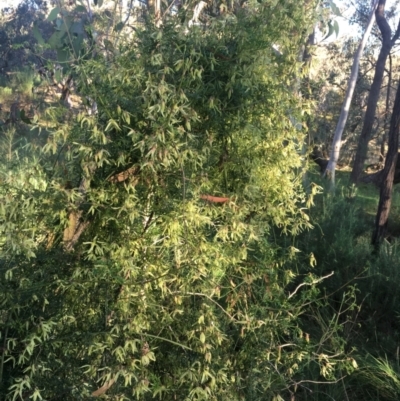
x,y
214,199
103,388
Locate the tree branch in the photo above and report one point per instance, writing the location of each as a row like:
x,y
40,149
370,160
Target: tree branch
x,y
103,388
312,283
214,199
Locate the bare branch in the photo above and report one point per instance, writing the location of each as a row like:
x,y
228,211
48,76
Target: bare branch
x,y
214,199
103,388
312,283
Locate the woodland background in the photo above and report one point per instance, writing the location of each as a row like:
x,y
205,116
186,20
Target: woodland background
x,y
169,228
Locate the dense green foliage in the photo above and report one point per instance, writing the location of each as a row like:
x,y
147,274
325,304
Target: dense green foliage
x,y
17,44
118,266
166,246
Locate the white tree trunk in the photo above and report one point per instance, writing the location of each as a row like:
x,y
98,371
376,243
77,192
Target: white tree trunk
x,y
337,139
196,13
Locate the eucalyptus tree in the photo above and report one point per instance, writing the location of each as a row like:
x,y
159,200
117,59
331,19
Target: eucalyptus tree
x,y
388,41
337,139
388,175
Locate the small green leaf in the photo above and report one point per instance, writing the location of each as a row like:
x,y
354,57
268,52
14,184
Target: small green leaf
x,y
53,14
38,35
335,9
77,44
336,28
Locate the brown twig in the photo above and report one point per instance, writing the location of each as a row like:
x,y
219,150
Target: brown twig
x,y
214,199
103,388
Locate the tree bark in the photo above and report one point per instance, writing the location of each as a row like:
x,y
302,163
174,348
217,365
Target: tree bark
x,y
344,113
385,198
385,123
365,136
157,12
